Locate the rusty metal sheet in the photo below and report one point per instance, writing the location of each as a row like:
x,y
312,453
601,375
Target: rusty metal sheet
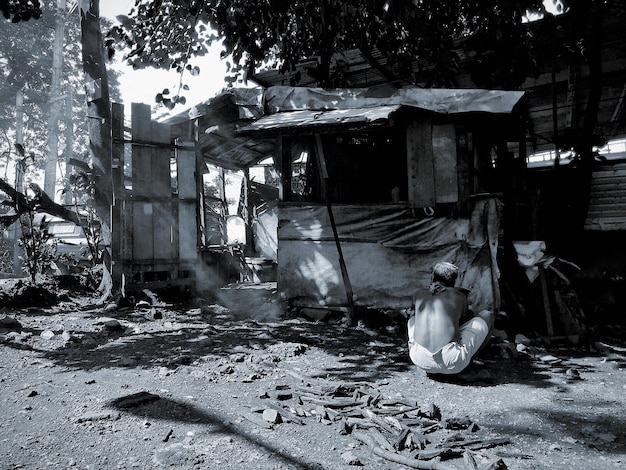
x,y
370,116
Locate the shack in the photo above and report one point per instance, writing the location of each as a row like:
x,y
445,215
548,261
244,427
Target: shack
x,y
378,184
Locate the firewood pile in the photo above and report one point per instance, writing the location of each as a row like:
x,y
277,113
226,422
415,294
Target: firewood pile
x,y
396,429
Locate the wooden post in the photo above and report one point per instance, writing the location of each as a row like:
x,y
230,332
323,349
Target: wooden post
x,y
117,176
546,301
321,163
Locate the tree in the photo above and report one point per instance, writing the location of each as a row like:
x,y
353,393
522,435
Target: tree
x,y
26,67
281,33
20,10
98,119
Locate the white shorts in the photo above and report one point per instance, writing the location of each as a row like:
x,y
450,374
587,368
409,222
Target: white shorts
x,y
455,356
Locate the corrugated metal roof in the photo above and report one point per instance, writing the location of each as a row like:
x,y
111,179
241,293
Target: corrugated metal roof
x,y
438,100
350,118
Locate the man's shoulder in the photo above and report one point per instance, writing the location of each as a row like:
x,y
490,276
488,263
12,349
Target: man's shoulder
x,y
454,291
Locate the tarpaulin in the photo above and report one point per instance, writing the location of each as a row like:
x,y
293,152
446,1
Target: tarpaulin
x,y
389,254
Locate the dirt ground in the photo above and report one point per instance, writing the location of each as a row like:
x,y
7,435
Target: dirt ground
x,y
239,383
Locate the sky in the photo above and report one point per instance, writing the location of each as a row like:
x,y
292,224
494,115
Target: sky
x,y
141,86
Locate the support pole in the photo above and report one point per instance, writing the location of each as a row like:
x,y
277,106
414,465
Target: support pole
x,y
321,163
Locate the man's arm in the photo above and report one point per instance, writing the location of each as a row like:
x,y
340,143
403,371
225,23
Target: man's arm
x,y
466,313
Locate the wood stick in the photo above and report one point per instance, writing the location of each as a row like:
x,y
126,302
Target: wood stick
x,y
378,421
332,402
397,458
258,421
380,439
470,463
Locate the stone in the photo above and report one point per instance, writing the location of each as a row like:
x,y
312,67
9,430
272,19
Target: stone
x,y
10,323
47,334
271,416
113,325
351,459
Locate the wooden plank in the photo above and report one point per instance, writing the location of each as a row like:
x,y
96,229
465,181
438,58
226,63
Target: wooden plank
x,y
187,244
604,226
117,176
608,184
609,173
445,163
606,214
186,169
143,242
141,156
420,165
160,157
162,229
187,203
618,196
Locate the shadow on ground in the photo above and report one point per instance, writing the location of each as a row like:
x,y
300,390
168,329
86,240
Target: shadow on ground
x,y
155,407
250,325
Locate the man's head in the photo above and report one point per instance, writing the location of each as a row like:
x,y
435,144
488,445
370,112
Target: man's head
x,y
445,273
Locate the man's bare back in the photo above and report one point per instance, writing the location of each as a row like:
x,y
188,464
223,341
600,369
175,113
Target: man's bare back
x,y
438,312
438,342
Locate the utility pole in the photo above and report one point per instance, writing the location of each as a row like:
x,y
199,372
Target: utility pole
x,y
55,102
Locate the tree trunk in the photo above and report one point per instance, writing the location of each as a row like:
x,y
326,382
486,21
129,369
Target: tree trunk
x,y
99,124
52,156
582,183
98,106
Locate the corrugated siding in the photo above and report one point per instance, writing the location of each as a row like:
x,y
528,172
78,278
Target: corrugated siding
x,y
607,206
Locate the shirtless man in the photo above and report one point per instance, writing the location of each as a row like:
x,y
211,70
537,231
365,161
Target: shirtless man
x,y
438,342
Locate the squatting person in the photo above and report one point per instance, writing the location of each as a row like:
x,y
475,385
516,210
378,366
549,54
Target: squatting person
x,y
439,343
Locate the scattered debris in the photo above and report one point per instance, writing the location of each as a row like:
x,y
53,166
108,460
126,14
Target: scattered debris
x,y
392,428
168,435
98,416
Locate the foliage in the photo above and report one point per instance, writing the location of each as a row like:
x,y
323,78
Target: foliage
x,y
38,244
26,65
280,34
82,185
6,254
20,10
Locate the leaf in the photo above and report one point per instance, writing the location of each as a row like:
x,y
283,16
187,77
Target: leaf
x,y
125,21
